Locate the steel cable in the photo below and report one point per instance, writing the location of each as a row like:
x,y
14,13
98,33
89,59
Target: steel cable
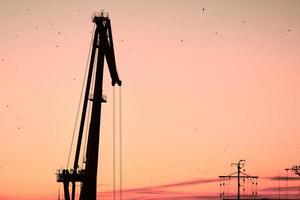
x,y
80,99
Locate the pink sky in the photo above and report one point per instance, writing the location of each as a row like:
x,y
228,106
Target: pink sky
x,y
202,89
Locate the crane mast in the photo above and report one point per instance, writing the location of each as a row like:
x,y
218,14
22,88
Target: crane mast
x,y
102,48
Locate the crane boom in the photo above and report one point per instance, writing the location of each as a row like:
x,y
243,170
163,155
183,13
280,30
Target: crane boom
x,y
102,48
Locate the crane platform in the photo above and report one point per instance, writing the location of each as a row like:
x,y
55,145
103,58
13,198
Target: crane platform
x,y
66,175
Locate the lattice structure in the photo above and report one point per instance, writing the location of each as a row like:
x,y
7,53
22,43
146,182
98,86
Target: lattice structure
x,y
292,190
295,169
246,185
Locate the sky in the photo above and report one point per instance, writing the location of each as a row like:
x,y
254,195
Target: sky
x,y
201,89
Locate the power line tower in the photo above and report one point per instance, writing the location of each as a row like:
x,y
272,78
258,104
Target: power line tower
x,y
239,175
102,48
295,169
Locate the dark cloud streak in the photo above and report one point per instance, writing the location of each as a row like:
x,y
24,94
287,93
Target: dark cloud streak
x,y
160,192
279,178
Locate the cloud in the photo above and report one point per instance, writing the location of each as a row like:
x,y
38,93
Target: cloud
x,y
188,183
279,178
29,197
289,188
176,184
161,192
187,197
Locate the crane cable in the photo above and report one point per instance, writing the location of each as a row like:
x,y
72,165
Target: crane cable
x,y
120,145
86,135
89,110
114,145
80,98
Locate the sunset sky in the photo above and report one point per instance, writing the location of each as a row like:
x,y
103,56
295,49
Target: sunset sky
x,y
201,89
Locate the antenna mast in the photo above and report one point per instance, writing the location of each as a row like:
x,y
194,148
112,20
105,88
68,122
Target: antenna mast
x,y
239,175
